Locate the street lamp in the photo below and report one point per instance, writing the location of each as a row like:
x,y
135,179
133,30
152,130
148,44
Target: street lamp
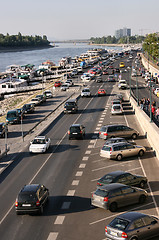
x,y
129,71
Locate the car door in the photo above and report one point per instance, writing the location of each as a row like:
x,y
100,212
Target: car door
x,y
131,150
130,197
151,228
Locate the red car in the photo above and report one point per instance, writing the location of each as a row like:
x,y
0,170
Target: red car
x,y
101,92
57,84
105,72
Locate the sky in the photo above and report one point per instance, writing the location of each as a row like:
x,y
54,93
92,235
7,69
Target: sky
x,y
78,19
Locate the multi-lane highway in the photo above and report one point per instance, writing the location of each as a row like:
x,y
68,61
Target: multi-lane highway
x,y
70,170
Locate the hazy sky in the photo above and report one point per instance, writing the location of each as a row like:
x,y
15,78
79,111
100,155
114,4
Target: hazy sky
x,y
72,19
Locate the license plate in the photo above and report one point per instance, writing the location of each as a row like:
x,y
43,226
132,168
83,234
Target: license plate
x,y
26,205
113,233
74,133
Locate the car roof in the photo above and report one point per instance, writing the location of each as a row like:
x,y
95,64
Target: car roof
x,y
116,104
30,188
76,125
112,125
112,186
131,216
116,173
117,144
117,138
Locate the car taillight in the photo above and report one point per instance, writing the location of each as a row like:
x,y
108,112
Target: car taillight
x,y
124,235
99,184
105,134
16,203
111,150
105,199
92,195
37,203
68,132
105,228
99,132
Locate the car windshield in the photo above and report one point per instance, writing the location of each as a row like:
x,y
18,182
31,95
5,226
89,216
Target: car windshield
x,y
120,224
27,197
106,148
39,141
101,193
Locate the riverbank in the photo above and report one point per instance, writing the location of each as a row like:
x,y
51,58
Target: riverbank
x,y
21,49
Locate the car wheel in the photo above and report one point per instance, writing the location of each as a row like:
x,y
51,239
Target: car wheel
x,y
119,157
142,199
142,184
141,153
113,207
134,238
134,136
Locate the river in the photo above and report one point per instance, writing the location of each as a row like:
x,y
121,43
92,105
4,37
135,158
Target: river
x,y
36,57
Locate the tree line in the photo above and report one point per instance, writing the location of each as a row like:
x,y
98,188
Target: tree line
x,y
23,41
151,46
114,40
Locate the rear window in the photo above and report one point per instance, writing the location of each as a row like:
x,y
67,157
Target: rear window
x,y
103,129
106,148
117,107
11,115
101,193
69,103
74,129
120,224
27,197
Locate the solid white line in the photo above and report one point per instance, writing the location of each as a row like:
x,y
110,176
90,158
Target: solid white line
x,y
59,220
66,205
112,216
52,236
113,165
79,173
75,182
71,193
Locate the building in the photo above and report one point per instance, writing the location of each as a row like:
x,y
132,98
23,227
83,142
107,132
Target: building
x,y
124,32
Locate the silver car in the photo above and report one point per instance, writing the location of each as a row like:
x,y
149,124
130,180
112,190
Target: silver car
x,y
116,109
115,195
117,130
120,150
132,226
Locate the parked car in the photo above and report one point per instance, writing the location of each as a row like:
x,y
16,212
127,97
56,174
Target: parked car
x,y
71,106
28,108
132,226
120,150
12,117
48,94
117,130
35,101
3,129
116,109
116,195
124,178
76,131
85,92
101,92
105,72
31,199
40,144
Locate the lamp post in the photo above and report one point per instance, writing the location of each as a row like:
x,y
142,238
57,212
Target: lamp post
x,y
129,71
6,132
22,127
150,100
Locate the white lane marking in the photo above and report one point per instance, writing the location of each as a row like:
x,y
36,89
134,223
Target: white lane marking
x,y
79,173
82,165
97,160
100,121
88,152
90,146
99,125
103,115
134,169
75,182
112,216
65,205
59,220
52,236
117,164
96,132
46,160
85,158
71,193
97,128
92,141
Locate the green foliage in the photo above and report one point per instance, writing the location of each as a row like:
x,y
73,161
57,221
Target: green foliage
x,y
113,40
151,45
22,41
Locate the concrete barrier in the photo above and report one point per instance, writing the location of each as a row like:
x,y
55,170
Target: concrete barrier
x,y
150,130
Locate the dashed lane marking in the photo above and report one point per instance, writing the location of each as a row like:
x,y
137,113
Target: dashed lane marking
x,y
92,141
85,158
100,121
79,173
71,193
90,146
83,165
99,125
75,182
101,118
65,205
88,152
52,236
59,220
97,128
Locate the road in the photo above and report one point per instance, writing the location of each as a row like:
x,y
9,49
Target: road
x,y
70,170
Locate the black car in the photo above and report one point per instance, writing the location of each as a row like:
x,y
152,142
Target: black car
x,y
132,226
3,129
28,108
31,199
76,131
41,97
124,178
71,106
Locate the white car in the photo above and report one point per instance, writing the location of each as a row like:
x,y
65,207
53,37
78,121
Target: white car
x,y
64,86
85,92
116,109
86,77
40,144
69,82
122,84
156,91
35,101
48,94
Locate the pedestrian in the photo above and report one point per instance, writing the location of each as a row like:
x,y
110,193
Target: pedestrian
x,y
147,102
157,113
141,103
153,110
